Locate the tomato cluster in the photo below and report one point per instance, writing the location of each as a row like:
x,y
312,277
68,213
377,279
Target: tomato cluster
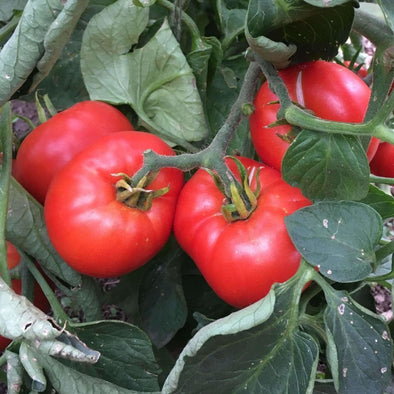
x,y
80,164
55,142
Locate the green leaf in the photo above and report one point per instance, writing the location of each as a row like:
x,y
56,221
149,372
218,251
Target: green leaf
x,y
19,56
65,76
25,228
57,36
387,7
32,367
337,237
231,20
126,359
327,166
155,79
88,298
239,353
280,30
362,346
8,8
204,60
162,303
382,202
14,371
326,3
68,380
226,84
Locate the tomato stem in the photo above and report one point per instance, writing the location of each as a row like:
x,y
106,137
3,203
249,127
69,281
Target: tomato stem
x,y
275,83
60,316
376,30
375,127
185,18
213,156
5,178
381,180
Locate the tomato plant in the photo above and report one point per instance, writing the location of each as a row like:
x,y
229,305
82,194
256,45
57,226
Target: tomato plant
x,y
329,90
213,284
243,259
94,232
53,143
383,162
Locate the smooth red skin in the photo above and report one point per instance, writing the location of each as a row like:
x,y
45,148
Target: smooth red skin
x,y
54,143
331,91
242,259
13,259
93,232
383,162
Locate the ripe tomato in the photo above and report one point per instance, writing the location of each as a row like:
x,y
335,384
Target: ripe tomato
x,y
331,91
383,162
93,232
54,143
13,259
240,260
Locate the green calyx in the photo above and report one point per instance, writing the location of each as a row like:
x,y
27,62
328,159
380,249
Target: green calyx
x,y
138,196
242,200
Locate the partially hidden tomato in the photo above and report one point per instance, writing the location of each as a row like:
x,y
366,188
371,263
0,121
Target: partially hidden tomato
x,y
362,72
13,259
240,260
331,91
95,233
55,142
383,162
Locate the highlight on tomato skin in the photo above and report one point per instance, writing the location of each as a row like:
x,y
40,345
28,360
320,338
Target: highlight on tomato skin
x,y
240,260
96,234
55,142
331,91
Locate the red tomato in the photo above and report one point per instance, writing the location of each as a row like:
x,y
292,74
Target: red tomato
x,y
331,91
93,232
54,143
240,260
383,162
13,259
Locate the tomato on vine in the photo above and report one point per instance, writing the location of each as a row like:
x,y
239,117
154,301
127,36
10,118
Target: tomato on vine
x,y
331,91
383,162
55,142
240,259
98,222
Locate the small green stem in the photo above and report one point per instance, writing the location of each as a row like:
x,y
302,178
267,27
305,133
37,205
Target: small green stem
x,y
375,127
213,156
60,316
275,83
381,180
5,177
376,30
385,251
310,321
186,19
381,278
8,29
